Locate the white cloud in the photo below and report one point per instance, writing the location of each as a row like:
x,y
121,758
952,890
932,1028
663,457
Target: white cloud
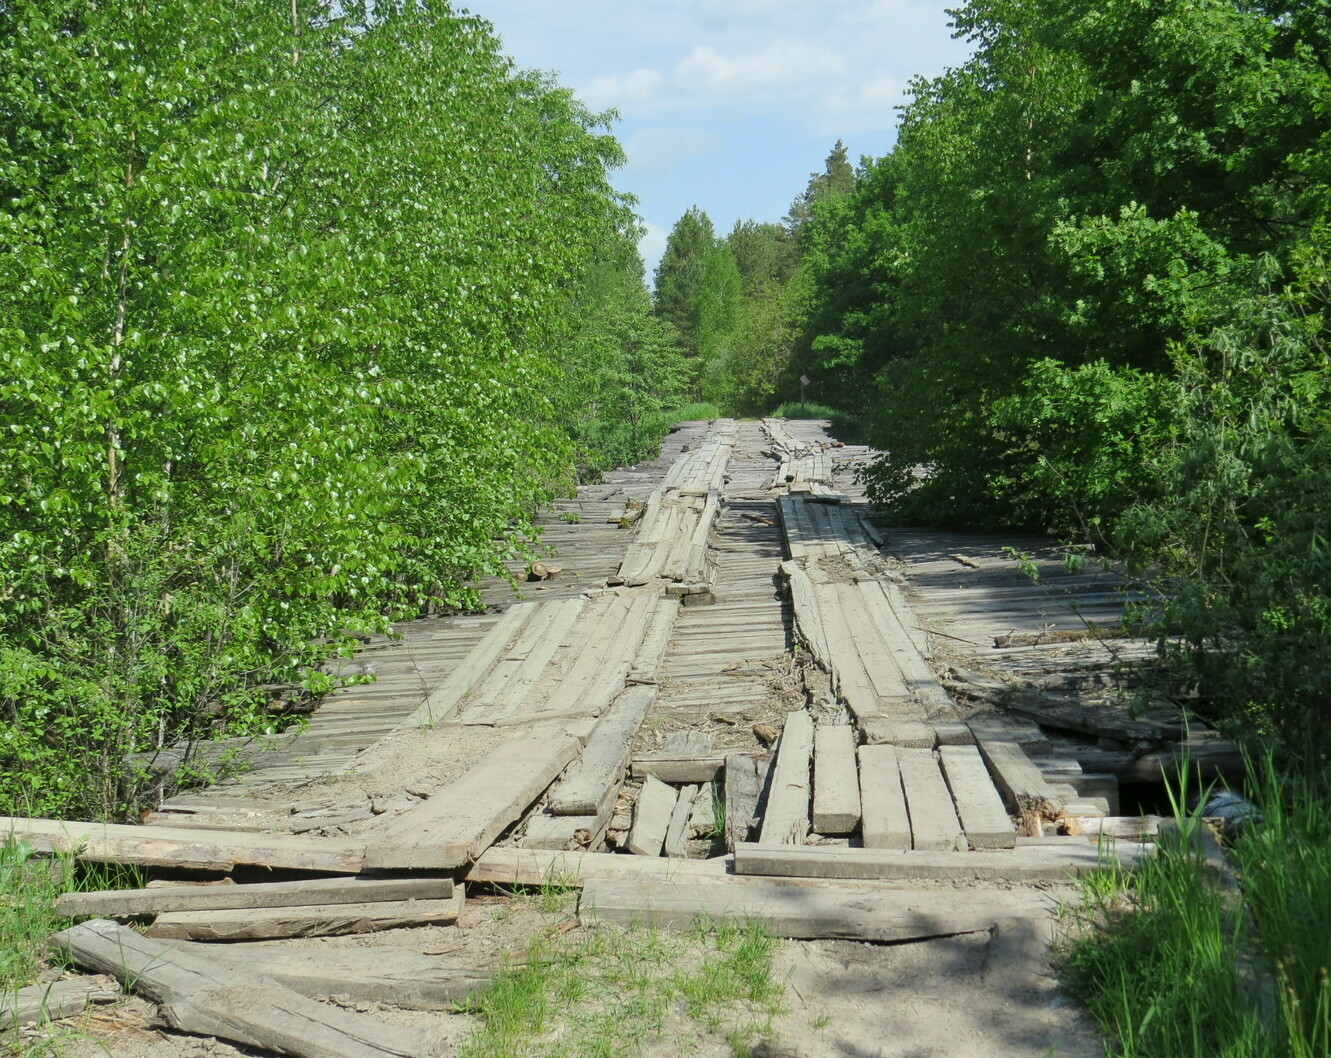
x,y
652,246
782,66
659,148
622,90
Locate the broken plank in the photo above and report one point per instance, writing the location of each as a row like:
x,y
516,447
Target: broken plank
x,y
743,786
702,817
979,807
674,769
677,833
207,850
1033,864
459,821
603,760
836,786
933,820
803,913
328,920
1019,780
567,832
39,1004
127,902
651,817
786,819
886,823
207,997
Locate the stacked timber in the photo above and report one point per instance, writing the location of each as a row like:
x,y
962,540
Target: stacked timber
x,y
673,532
804,467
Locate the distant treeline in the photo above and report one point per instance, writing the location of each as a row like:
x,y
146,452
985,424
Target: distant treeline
x,y
304,311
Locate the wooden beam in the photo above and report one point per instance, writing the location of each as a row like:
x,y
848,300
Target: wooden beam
x,y
677,835
651,817
674,769
127,902
205,850
504,866
39,1004
882,801
836,784
460,821
1019,780
786,819
329,920
933,820
1033,864
582,791
743,786
980,809
207,997
805,913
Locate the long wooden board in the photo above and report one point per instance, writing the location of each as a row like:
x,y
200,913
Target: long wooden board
x,y
329,920
505,866
933,820
886,823
804,913
786,818
211,850
980,809
458,822
836,785
208,997
1033,864
129,902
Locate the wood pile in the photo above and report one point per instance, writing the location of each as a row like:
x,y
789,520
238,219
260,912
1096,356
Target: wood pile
x,y
804,467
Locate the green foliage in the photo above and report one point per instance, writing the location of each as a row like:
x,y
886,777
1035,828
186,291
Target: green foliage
x,y
1170,964
277,296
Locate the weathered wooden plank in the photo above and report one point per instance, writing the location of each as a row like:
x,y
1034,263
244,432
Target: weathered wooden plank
x,y
702,817
458,822
126,902
536,648
677,833
743,786
674,769
403,977
442,702
786,819
980,809
836,785
803,913
208,998
1019,781
39,1004
651,817
886,823
213,850
808,620
1033,864
329,920
504,866
933,820
606,755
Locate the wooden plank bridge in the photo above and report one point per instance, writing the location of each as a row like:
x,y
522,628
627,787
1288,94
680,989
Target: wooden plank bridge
x,y
730,677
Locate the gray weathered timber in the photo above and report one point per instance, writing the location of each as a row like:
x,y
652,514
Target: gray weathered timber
x,y
804,913
912,734
566,832
933,820
208,997
836,785
808,620
677,833
886,823
128,902
702,817
1032,864
444,700
458,822
606,755
39,1004
403,977
651,817
687,744
786,818
329,920
503,865
980,809
669,768
1020,782
210,850
743,786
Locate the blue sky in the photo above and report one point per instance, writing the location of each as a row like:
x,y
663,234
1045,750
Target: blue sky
x,y
730,104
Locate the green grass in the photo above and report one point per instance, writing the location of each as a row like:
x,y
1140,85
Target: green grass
x,y
1172,963
29,886
604,992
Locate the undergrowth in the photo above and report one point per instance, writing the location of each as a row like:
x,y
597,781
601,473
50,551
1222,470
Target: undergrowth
x,y
1173,963
603,993
845,427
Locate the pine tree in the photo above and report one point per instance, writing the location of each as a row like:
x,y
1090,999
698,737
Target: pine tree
x,y
680,276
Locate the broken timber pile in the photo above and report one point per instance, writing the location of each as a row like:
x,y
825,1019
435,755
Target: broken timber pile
x,y
805,467
676,524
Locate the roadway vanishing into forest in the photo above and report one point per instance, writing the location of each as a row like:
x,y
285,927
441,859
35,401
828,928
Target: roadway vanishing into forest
x,y
727,692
